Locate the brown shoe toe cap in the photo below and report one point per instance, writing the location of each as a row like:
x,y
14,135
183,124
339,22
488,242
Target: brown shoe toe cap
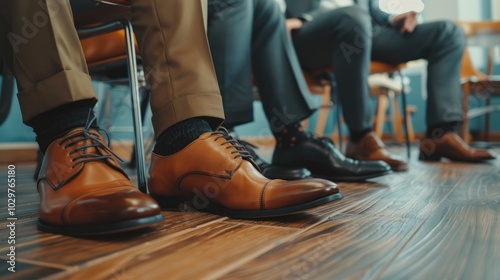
x,y
110,205
280,193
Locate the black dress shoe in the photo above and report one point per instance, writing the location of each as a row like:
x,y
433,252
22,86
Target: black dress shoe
x,y
275,172
320,156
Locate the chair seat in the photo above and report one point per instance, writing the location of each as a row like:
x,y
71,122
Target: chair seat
x,y
105,48
482,79
382,80
382,67
483,86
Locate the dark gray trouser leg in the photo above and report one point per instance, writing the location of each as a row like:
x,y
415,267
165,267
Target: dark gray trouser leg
x,y
230,37
251,34
442,44
341,33
341,38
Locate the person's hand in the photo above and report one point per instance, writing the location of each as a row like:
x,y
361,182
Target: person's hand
x,y
407,21
292,24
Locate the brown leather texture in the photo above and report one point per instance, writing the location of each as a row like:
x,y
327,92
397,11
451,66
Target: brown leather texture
x,y
451,146
210,168
77,192
370,147
105,47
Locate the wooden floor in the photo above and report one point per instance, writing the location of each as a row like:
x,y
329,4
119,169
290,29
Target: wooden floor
x,y
437,221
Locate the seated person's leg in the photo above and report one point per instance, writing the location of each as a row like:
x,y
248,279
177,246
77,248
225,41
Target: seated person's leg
x,y
83,189
441,44
230,36
191,162
342,38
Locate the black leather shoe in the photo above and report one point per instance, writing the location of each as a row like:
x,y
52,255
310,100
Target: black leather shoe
x,y
275,172
320,156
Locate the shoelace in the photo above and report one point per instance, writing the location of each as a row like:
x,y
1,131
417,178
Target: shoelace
x,y
95,142
249,147
240,150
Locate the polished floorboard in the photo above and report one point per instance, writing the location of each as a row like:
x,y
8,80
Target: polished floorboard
x,y
436,221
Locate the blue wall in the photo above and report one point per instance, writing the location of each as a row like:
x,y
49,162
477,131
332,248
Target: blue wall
x,y
13,130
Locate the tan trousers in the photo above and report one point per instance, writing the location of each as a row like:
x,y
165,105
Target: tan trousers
x,y
41,47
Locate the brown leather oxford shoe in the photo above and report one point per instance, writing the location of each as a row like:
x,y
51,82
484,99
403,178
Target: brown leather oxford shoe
x,y
451,146
370,147
216,174
84,191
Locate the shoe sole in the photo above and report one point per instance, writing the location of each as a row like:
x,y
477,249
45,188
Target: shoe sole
x,y
437,158
358,178
103,229
173,204
400,168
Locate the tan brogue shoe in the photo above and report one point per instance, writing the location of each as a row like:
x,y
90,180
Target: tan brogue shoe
x,y
216,174
370,147
84,191
451,146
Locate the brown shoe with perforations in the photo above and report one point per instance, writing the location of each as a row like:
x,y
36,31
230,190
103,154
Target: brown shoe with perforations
x,y
84,191
216,174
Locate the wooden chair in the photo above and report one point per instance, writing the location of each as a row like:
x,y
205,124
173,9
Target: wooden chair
x,y
386,90
319,83
484,34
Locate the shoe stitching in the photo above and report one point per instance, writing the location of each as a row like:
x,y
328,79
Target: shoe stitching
x,y
263,196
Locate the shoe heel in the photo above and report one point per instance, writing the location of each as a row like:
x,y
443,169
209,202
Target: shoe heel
x,y
426,157
169,202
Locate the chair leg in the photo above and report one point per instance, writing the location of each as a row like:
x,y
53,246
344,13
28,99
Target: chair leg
x,y
405,119
411,132
136,106
145,95
323,113
487,121
339,121
465,105
397,124
382,105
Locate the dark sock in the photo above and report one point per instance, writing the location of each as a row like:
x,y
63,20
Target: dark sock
x,y
55,123
229,128
179,135
356,135
438,130
232,132
290,135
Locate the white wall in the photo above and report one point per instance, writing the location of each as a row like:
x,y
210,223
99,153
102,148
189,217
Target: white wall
x,y
496,9
467,10
453,9
440,9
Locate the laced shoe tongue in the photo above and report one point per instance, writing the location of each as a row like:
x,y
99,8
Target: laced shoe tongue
x,y
85,145
249,148
239,150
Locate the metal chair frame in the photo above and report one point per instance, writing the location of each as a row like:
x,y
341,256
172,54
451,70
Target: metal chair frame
x,y
131,61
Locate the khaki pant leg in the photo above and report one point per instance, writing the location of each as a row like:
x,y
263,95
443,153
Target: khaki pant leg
x,y
177,61
42,49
